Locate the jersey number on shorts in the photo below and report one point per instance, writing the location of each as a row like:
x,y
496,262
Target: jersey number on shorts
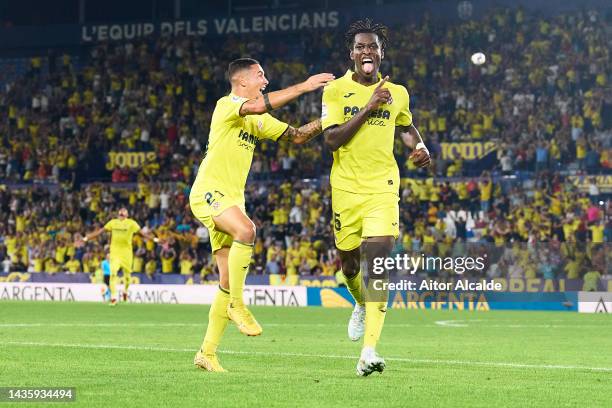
x,y
209,196
337,224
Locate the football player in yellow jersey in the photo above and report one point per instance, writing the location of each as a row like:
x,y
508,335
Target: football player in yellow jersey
x,y
239,121
360,115
122,231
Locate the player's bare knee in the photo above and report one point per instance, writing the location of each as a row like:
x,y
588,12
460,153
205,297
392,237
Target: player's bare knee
x,y
378,246
350,268
350,263
375,251
246,233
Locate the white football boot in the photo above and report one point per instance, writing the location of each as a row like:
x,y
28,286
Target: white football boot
x,y
369,362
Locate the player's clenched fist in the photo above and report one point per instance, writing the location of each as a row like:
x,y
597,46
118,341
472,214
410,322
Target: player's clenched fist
x,y
420,158
317,81
380,96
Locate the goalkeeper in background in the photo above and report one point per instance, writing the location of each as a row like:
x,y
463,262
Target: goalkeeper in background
x,y
122,230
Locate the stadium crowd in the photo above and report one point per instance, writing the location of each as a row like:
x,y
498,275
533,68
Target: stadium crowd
x,y
543,97
38,226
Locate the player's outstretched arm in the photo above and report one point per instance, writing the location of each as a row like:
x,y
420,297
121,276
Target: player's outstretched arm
x,y
147,234
338,136
303,133
90,236
412,138
277,99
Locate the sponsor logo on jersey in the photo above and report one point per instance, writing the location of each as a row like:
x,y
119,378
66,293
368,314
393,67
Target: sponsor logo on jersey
x,y
378,113
247,140
376,118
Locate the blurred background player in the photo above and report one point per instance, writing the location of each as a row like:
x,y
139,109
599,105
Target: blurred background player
x,y
239,121
106,274
360,115
122,231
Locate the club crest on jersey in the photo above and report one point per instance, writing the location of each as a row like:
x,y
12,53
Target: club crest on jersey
x,y
259,124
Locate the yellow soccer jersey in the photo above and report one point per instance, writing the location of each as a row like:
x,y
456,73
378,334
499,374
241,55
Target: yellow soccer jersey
x,y
229,153
186,267
366,163
122,233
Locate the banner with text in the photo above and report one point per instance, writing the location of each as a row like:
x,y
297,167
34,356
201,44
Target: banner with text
x,y
602,181
212,27
261,295
466,150
129,160
514,285
480,301
595,302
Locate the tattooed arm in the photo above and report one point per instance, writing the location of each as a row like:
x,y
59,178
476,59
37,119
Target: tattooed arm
x,y
277,99
304,133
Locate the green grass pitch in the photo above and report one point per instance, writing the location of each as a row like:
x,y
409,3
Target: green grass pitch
x,y
141,355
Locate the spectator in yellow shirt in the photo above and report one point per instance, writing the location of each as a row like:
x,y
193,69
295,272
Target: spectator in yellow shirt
x,y
486,186
72,266
150,266
168,255
572,269
186,263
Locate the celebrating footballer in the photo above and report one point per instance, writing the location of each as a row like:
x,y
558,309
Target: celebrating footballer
x,y
361,114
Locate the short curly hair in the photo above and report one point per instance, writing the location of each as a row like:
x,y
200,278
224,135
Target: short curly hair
x,y
366,26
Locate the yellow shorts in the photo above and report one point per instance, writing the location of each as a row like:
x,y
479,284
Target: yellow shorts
x,y
120,262
213,204
358,216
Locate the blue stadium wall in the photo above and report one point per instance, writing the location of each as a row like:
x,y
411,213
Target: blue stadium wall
x,y
43,37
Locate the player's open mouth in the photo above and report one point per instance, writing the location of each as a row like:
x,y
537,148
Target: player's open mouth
x,y
368,65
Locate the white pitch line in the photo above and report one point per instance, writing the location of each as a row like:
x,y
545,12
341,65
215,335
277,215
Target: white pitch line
x,y
98,324
203,324
199,325
332,356
468,323
451,323
437,323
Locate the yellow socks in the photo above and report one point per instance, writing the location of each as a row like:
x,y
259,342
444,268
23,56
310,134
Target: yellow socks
x,y
238,262
127,277
355,286
217,322
112,284
374,321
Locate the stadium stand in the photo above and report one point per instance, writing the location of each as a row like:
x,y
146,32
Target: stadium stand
x,y
128,124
